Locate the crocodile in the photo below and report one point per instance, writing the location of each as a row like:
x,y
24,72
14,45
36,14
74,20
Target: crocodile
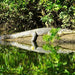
x,y
63,48
35,33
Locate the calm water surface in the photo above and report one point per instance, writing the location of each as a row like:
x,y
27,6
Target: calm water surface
x,y
18,61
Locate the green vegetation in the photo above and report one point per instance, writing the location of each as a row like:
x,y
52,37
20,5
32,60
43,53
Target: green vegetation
x,y
20,15
52,36
59,13
17,61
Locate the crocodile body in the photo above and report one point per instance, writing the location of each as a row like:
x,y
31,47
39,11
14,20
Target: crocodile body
x,y
62,32
36,32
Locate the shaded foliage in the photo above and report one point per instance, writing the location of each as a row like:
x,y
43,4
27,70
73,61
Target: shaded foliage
x,y
59,13
20,15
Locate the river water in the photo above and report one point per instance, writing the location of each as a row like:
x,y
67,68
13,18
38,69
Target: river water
x,y
23,59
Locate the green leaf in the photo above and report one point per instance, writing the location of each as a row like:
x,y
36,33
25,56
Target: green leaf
x,y
45,18
66,71
65,63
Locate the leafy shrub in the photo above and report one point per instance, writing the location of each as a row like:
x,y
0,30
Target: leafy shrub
x,y
59,13
20,15
11,16
68,17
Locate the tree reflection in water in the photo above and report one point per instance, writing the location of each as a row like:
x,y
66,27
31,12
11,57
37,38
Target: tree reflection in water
x,y
15,60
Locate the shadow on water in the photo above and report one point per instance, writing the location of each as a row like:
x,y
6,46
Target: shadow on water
x,y
17,58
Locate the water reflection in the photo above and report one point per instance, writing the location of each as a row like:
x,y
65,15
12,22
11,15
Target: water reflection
x,y
14,60
62,48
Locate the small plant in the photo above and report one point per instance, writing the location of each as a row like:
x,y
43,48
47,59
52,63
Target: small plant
x,y
52,37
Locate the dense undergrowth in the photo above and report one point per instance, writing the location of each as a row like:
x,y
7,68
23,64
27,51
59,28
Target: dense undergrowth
x,y
20,15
